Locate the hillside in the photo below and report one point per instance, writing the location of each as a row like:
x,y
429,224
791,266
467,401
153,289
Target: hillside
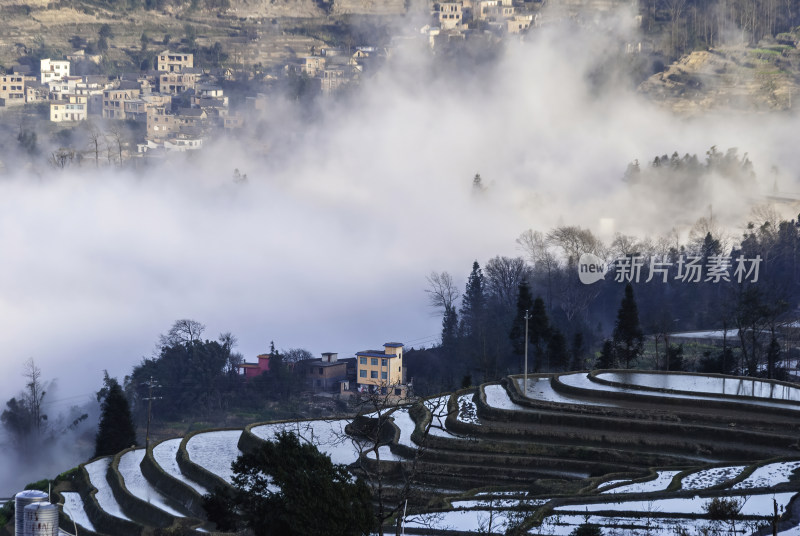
x,y
642,453
729,79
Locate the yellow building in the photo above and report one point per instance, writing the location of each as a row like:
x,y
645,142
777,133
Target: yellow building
x,y
70,108
12,89
381,369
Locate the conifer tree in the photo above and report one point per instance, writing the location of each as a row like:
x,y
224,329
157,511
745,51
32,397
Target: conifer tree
x,y
606,359
449,329
115,431
576,352
473,319
628,334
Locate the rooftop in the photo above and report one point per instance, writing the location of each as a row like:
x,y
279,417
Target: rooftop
x,y
375,353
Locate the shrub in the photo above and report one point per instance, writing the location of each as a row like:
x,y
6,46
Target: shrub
x,y
587,529
722,509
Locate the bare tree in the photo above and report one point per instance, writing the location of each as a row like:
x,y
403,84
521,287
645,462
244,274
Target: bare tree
x,y
537,247
119,141
182,331
294,355
625,245
702,227
34,393
575,241
229,341
392,488
62,158
94,144
503,276
442,291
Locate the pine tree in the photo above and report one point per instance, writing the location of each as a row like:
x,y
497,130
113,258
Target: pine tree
x,y
628,335
577,351
473,303
606,359
675,357
449,330
473,318
115,431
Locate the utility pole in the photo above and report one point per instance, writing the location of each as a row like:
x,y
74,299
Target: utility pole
x,y
149,399
525,383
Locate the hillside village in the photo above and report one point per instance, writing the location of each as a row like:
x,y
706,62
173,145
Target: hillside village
x,y
174,105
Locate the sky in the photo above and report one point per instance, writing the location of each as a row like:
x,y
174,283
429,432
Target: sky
x,y
327,244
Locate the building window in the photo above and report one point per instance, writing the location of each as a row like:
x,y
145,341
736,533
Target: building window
x,y
374,361
384,362
320,370
398,392
363,373
384,375
363,360
373,374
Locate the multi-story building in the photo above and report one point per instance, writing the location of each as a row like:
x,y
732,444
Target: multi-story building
x,y
331,80
251,370
66,85
450,15
12,89
493,10
518,23
188,121
380,371
175,83
53,69
69,108
114,99
173,62
36,92
327,373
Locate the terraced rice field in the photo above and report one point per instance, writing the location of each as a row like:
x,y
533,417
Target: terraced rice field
x,y
608,448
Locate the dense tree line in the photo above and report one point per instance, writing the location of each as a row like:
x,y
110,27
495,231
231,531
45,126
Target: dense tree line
x,y
653,287
198,377
690,24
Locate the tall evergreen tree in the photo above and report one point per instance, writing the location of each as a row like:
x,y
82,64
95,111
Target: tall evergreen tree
x,y
557,358
473,303
628,334
449,329
473,318
115,431
606,359
675,357
577,351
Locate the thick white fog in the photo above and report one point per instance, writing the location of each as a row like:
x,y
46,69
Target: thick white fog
x,y
327,244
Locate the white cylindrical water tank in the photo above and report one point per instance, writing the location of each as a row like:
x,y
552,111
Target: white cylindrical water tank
x,y
21,500
41,519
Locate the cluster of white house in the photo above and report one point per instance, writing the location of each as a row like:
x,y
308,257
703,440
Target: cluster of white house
x,y
451,19
145,97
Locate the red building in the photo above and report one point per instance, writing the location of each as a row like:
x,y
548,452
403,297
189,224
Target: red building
x,y
251,370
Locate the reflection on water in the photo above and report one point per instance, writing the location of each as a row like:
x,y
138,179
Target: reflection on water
x,y
705,384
